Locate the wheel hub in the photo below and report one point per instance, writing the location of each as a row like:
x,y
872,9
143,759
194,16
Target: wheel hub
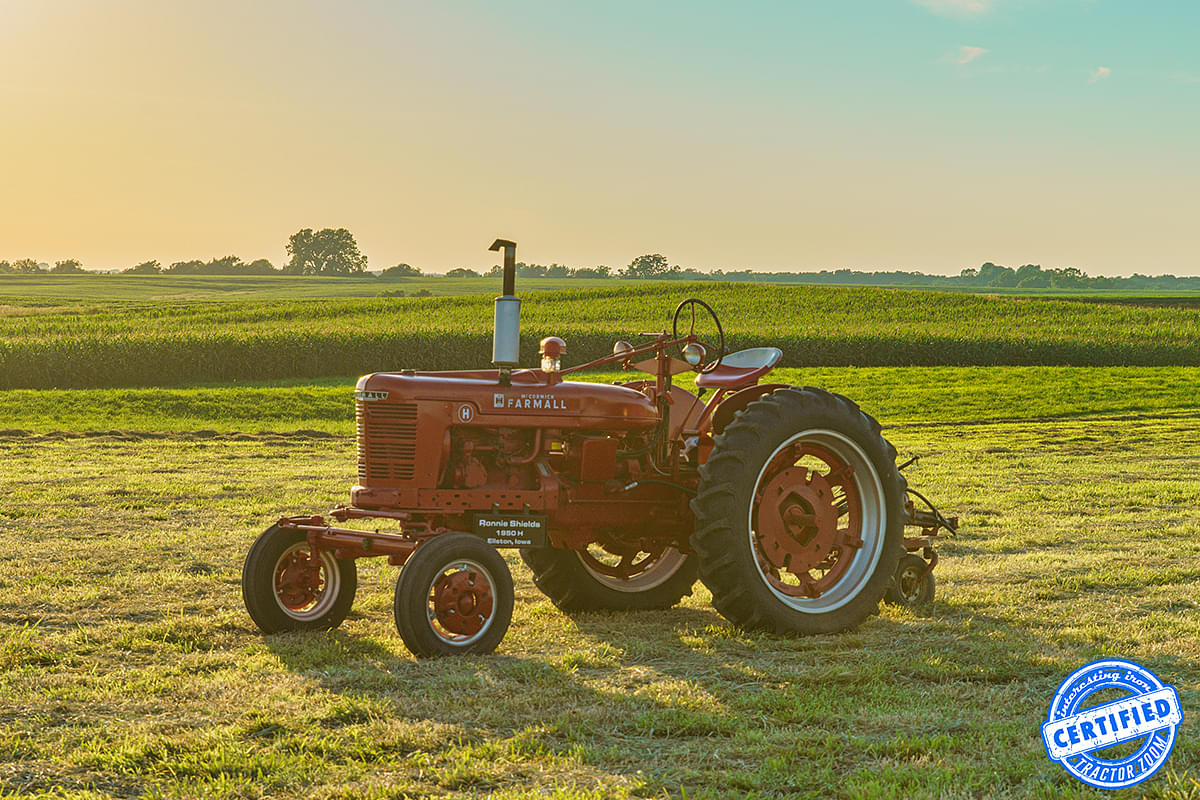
x,y
298,581
797,520
462,601
802,524
909,583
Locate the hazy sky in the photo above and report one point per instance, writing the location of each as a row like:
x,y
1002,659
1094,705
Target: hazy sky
x,y
789,135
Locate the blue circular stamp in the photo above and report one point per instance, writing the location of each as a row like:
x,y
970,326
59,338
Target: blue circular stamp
x,y
1080,735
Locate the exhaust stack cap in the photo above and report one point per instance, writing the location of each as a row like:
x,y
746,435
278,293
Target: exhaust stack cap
x,y
506,332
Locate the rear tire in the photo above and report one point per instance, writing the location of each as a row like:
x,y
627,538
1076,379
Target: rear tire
x,y
454,596
799,515
282,594
575,581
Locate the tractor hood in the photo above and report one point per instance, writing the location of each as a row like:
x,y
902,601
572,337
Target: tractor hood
x,y
477,398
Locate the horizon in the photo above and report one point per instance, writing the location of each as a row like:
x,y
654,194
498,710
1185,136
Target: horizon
x,y
877,135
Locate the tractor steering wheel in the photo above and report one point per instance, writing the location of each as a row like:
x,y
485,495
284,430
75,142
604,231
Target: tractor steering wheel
x,y
691,304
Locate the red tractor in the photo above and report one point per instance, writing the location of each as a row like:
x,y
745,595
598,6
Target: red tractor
x,y
786,501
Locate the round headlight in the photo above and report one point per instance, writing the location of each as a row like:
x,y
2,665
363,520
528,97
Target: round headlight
x,y
622,347
694,354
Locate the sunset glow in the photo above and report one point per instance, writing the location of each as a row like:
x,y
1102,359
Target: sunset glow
x,y
777,136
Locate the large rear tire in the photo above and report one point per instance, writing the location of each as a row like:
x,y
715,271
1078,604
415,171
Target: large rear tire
x,y
799,515
595,580
283,592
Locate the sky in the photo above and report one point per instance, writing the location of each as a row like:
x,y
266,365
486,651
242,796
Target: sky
x,y
792,135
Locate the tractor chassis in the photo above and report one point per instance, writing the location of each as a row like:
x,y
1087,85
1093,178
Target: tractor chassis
x,y
352,543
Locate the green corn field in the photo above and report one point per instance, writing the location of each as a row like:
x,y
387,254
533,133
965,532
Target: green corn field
x,y
82,344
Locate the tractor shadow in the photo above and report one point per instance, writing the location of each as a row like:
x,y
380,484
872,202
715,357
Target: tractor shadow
x,y
643,681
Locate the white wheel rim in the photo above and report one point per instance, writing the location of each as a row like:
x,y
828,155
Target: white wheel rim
x,y
655,573
323,597
448,636
909,584
866,559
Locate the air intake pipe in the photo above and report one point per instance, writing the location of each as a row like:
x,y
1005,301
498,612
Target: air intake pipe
x,y
506,333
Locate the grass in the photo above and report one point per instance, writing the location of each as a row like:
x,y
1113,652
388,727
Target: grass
x,y
128,666
111,344
896,395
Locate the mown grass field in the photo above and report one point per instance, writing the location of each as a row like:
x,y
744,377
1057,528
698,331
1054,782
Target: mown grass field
x,y
128,667
77,344
897,395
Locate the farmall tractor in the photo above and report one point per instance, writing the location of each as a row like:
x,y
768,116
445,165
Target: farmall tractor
x,y
785,501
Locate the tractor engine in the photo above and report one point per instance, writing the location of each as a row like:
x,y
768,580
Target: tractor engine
x,y
462,439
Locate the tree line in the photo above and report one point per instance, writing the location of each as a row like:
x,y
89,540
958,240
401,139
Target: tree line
x,y
334,251
331,251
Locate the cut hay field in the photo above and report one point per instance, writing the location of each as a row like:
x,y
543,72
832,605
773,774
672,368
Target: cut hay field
x,y
128,667
72,343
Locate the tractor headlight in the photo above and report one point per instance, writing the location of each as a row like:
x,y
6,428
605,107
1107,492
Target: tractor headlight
x,y
551,351
694,354
622,347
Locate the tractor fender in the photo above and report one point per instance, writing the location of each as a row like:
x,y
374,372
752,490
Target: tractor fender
x,y
738,400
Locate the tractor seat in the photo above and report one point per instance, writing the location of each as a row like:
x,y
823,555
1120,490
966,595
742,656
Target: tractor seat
x,y
742,368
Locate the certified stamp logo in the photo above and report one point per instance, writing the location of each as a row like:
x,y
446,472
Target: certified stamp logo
x,y
1118,742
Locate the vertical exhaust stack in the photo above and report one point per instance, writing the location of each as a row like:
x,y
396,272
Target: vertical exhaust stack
x,y
506,333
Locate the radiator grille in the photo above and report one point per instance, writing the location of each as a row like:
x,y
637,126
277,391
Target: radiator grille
x,y
387,441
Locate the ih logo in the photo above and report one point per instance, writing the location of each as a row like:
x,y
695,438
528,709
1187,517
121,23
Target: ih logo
x,y
498,400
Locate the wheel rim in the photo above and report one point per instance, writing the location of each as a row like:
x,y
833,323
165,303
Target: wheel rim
x,y
908,582
817,521
461,602
631,570
303,591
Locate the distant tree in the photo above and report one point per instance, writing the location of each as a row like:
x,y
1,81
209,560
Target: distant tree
x,y
594,272
1030,276
144,268
193,267
401,271
331,251
26,265
992,275
531,270
259,266
648,266
72,266
226,265
462,272
5,267
1069,278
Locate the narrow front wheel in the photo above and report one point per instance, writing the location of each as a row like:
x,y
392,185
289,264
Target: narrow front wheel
x,y
288,587
454,596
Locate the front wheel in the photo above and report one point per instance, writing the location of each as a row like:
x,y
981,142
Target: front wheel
x,y
454,596
799,515
287,588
